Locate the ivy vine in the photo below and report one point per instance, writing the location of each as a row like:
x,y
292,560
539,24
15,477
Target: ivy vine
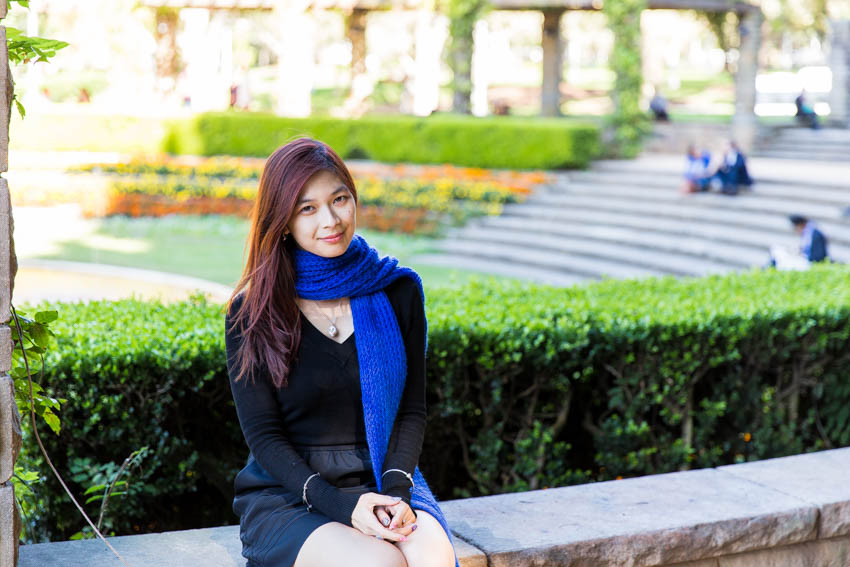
x,y
25,49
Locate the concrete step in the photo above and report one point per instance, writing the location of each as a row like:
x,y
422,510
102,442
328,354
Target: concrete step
x,y
744,201
701,205
808,146
672,182
790,172
570,264
735,254
731,221
554,277
808,135
722,243
803,155
619,251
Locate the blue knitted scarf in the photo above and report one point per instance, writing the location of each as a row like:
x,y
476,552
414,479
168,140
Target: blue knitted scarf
x,y
362,275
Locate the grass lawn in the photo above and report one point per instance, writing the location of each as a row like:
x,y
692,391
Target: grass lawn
x,y
212,248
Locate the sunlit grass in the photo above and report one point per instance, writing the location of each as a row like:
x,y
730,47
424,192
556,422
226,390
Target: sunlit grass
x,y
212,248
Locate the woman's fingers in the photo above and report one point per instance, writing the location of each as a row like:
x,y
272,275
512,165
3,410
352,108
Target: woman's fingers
x,y
364,518
381,514
402,515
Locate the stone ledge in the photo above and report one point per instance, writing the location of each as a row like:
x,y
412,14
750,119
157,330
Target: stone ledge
x,y
773,513
208,547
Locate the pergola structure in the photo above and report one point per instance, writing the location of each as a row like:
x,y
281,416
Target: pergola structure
x,y
295,29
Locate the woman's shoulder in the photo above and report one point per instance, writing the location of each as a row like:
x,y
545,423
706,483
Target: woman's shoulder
x,y
403,290
232,309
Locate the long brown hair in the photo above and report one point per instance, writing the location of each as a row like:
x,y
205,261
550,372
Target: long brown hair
x,y
268,318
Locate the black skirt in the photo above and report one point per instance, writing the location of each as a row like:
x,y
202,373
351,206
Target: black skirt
x,y
274,523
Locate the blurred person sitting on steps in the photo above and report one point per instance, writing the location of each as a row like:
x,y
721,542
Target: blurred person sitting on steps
x,y
658,107
697,171
732,172
812,249
805,111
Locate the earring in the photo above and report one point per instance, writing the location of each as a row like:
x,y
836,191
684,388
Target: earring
x,y
284,237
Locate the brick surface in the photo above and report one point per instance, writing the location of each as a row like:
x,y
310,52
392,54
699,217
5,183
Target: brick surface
x,y
5,348
10,428
6,260
4,99
10,526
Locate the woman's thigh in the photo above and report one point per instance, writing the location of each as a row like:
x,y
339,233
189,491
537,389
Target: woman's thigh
x,y
334,544
428,546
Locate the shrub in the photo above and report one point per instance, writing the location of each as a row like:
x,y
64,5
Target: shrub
x,y
498,142
528,387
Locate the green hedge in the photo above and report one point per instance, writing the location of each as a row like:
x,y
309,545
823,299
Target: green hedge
x,y
497,142
528,387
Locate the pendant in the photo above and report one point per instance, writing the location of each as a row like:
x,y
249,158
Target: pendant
x,y
332,330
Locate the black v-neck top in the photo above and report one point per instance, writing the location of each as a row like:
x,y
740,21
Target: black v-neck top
x,y
322,405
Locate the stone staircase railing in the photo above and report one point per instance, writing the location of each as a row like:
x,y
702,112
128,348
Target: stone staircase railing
x,y
788,512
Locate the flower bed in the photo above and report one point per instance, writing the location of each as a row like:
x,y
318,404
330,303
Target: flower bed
x,y
411,199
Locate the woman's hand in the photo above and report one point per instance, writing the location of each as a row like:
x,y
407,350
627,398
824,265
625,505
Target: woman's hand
x,y
403,517
365,517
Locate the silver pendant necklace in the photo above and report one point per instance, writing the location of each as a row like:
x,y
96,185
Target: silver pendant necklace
x,y
332,330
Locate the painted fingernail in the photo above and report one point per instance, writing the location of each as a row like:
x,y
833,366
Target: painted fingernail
x,y
386,521
403,538
413,529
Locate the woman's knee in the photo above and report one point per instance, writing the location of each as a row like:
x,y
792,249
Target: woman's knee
x,y
334,544
429,546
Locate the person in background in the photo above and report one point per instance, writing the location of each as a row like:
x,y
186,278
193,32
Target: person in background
x,y
732,172
812,247
658,107
697,171
805,111
812,241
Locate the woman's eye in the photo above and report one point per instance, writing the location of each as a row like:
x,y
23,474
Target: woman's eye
x,y
341,199
307,209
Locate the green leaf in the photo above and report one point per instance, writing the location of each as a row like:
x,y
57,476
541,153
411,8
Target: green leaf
x,y
40,335
52,420
45,317
95,488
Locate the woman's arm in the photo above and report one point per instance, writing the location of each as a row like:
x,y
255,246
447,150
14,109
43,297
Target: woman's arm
x,y
409,428
260,419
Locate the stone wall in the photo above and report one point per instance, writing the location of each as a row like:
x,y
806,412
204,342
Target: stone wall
x,y
788,512
10,421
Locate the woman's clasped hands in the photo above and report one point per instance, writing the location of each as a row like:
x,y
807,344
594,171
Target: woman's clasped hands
x,y
385,517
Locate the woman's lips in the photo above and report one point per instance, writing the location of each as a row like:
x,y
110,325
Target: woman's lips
x,y
333,239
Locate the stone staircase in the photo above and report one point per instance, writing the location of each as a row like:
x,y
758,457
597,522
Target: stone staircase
x,y
826,144
627,219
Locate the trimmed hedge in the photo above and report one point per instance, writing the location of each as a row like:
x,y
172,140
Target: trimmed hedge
x,y
511,143
528,387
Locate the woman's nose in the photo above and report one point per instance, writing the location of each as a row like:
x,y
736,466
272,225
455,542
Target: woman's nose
x,y
329,217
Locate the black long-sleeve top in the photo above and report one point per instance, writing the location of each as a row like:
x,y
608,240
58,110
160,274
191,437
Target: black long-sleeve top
x,y
322,405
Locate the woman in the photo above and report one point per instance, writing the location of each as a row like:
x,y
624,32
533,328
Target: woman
x,y
326,356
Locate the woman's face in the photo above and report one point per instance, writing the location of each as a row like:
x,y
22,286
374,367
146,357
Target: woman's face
x,y
324,218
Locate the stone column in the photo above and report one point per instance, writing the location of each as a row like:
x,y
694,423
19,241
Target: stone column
x,y
839,63
553,49
744,125
10,420
480,73
355,33
295,58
